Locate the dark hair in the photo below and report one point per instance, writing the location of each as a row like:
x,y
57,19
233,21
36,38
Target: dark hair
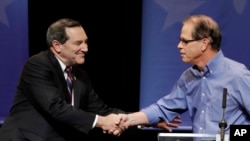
x,y
206,27
56,30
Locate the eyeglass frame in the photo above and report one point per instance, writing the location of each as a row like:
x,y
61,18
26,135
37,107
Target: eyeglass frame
x,y
186,42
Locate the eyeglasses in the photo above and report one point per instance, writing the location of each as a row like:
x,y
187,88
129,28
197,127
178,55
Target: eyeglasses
x,y
185,42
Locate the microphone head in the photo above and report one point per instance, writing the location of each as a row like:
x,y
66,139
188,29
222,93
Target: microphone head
x,y
224,100
225,91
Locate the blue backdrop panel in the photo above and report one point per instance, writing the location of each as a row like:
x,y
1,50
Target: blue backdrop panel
x,y
161,63
13,48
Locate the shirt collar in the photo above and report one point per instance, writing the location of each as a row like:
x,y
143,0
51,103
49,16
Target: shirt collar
x,y
212,65
62,65
215,62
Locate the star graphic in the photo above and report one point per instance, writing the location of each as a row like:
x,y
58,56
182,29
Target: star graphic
x,y
240,5
3,16
177,10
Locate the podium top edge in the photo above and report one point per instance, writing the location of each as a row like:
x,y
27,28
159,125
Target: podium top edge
x,y
185,135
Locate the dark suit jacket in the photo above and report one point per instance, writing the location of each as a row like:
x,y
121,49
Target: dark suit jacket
x,y
40,111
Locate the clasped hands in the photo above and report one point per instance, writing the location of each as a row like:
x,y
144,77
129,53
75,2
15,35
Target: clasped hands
x,y
116,124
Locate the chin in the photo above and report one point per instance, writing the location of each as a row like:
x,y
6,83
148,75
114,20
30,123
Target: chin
x,y
184,60
80,61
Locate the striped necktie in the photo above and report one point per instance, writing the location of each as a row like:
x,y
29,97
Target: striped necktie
x,y
69,81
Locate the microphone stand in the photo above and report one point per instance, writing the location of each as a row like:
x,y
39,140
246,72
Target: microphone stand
x,y
223,123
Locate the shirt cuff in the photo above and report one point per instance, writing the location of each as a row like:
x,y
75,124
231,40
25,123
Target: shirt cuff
x,y
94,123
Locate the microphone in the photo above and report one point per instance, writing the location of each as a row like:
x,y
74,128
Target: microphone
x,y
223,123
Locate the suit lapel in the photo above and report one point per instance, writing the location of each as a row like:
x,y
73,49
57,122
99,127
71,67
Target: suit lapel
x,y
59,72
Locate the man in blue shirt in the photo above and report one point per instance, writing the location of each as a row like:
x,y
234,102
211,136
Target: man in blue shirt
x,y
199,89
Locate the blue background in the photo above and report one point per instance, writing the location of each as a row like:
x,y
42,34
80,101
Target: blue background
x,y
13,48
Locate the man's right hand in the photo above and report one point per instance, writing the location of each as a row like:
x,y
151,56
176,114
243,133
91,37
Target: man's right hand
x,y
110,124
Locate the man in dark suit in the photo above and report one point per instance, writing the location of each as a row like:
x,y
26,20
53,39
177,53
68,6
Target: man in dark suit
x,y
45,108
42,109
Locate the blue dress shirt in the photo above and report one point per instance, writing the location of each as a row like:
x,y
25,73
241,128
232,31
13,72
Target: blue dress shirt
x,y
201,94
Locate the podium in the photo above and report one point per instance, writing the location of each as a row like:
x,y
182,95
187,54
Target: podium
x,y
190,137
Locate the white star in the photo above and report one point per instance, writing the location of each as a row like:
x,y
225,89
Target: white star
x,y
177,10
239,5
3,16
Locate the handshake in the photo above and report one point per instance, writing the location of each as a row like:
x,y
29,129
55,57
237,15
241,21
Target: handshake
x,y
116,124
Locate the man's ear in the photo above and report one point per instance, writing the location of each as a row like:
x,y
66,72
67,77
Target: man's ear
x,y
205,42
56,45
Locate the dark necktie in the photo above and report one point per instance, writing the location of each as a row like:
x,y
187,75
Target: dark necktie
x,y
69,81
